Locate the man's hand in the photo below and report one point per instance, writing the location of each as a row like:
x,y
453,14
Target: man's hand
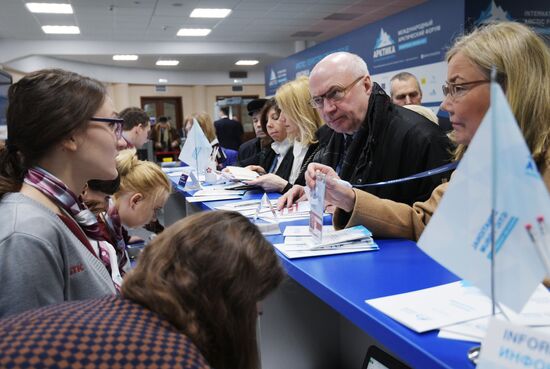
x,y
336,193
294,195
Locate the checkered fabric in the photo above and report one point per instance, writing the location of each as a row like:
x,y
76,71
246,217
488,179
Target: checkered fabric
x,y
107,333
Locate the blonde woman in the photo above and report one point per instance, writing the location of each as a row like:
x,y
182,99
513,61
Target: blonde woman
x,y
143,191
302,123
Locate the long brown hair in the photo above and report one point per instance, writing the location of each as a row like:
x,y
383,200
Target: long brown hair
x,y
44,107
205,274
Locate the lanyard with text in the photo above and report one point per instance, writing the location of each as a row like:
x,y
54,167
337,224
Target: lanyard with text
x,y
427,173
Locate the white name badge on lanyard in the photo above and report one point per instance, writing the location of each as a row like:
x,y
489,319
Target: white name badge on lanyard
x,y
317,202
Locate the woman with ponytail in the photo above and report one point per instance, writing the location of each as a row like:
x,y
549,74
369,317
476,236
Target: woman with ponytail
x,y
62,132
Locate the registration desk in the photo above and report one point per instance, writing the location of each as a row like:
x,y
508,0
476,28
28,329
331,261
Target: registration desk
x,y
318,318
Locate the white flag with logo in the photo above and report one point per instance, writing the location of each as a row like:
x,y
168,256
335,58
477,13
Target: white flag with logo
x,y
196,150
459,234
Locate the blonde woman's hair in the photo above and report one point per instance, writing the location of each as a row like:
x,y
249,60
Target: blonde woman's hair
x,y
205,121
522,61
293,100
140,176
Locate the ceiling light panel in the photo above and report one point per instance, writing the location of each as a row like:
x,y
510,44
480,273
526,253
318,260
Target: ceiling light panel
x,y
167,62
61,30
210,13
193,31
50,8
247,62
125,57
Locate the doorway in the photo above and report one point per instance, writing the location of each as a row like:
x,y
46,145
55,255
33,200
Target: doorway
x,y
170,107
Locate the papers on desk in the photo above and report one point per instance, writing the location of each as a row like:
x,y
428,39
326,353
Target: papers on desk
x,y
240,174
461,310
248,209
436,307
535,314
299,243
213,194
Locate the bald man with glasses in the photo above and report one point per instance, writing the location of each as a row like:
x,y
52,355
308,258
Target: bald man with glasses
x,y
372,139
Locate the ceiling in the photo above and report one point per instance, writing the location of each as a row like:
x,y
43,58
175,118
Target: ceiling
x,y
266,30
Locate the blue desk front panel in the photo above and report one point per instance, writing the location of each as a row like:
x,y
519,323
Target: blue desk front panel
x,y
345,281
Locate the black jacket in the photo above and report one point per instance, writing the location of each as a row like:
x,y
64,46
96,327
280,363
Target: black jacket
x,y
393,142
249,152
229,133
267,156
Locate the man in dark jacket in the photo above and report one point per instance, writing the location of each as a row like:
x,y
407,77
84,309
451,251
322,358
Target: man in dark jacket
x,y
373,140
228,131
249,151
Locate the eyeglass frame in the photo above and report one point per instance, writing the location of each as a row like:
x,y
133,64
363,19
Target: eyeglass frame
x,y
448,87
117,121
323,97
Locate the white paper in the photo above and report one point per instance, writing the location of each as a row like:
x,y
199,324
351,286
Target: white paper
x,y
294,251
303,230
192,199
457,337
435,307
217,192
536,312
241,174
339,237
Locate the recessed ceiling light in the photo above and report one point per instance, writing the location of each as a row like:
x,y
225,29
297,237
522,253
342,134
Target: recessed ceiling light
x,y
61,30
125,57
52,8
168,62
210,13
247,62
193,31
163,80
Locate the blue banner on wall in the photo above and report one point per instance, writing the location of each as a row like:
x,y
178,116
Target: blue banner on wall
x,y
534,13
416,36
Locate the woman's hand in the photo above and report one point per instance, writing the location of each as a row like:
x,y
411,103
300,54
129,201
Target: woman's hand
x,y
269,182
256,168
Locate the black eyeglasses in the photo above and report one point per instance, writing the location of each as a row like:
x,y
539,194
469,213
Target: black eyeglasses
x,y
115,125
334,94
459,89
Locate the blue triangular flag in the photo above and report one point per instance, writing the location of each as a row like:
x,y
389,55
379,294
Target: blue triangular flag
x,y
459,234
196,150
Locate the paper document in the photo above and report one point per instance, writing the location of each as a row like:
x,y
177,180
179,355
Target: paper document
x,y
217,192
294,251
436,307
241,174
193,199
303,231
341,237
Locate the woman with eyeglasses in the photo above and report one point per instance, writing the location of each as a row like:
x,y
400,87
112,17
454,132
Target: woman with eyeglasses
x,y
522,62
301,122
62,132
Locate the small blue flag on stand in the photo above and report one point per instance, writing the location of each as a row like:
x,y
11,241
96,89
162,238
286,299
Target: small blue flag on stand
x,y
458,236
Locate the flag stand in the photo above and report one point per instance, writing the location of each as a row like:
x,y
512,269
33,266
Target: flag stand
x,y
474,352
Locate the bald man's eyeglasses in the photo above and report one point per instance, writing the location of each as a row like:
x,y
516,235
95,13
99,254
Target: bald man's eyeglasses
x,y
333,95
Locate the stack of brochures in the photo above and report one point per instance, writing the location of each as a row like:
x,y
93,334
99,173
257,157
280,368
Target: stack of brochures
x,y
460,310
299,244
213,194
252,208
